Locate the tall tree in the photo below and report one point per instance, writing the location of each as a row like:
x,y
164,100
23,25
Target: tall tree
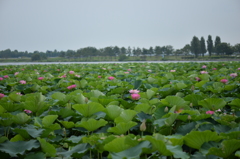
x,y
150,51
123,50
225,48
202,46
129,51
210,45
216,43
186,49
195,46
157,50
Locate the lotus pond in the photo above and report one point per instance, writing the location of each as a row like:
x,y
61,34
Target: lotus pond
x,y
129,110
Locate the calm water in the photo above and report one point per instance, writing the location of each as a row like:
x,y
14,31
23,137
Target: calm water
x,y
46,63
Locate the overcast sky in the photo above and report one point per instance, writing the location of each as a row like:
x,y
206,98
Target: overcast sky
x,y
29,25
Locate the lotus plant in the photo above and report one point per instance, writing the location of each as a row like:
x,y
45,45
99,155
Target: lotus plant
x,y
22,82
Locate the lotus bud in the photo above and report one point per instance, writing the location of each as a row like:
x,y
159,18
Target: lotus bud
x,y
166,109
192,88
143,125
189,117
191,105
86,99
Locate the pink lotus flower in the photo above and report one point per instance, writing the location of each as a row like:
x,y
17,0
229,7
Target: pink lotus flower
x,y
204,72
63,76
209,112
40,78
99,76
149,70
58,69
19,93
1,78
135,96
126,72
1,95
6,76
27,111
129,70
224,80
72,86
214,68
71,72
16,73
204,66
134,91
22,82
233,75
239,68
198,79
172,70
77,76
111,78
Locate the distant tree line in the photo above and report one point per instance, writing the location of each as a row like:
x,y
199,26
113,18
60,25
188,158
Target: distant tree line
x,y
196,47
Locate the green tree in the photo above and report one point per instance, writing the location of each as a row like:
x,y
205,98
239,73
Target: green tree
x,y
195,46
225,48
116,50
150,51
236,48
202,46
210,45
36,57
123,50
157,50
216,43
129,51
186,49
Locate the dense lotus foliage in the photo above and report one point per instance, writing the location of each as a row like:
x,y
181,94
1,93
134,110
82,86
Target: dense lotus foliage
x,y
123,110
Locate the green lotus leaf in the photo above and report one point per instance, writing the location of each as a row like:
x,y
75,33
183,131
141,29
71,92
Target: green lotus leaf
x,y
9,105
39,155
17,137
91,124
75,139
80,99
6,119
174,100
89,109
47,148
193,98
125,116
212,103
235,102
150,93
144,107
237,153
14,97
117,145
204,77
186,128
159,145
122,127
66,112
21,118
48,120
137,84
133,152
96,93
175,139
228,147
195,139
19,147
59,96
33,131
231,135
67,124
179,86
80,148
113,111
83,83
159,112
169,121
36,103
